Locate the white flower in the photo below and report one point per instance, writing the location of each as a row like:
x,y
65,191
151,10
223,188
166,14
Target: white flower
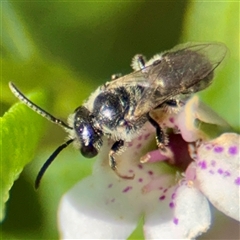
x,y
173,198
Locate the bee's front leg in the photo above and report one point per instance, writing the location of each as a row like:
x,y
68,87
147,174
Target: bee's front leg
x,y
160,135
116,147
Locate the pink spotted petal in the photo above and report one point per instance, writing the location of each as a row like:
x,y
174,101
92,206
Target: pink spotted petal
x,y
88,211
104,206
184,215
218,173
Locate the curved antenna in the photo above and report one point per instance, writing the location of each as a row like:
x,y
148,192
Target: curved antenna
x,y
49,161
36,108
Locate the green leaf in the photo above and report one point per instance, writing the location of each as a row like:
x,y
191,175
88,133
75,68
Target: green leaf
x,y
21,129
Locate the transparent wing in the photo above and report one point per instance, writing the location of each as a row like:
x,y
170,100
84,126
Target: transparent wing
x,y
185,69
135,78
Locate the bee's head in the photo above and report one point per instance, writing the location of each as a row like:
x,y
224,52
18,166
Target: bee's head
x,y
89,139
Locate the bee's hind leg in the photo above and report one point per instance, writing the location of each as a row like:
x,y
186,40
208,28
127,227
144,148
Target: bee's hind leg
x,y
160,135
116,147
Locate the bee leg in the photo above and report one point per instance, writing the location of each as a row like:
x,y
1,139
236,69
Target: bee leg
x,y
160,135
176,103
141,61
172,103
115,148
112,162
138,62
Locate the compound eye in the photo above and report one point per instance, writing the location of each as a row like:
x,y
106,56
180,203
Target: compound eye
x,y
89,151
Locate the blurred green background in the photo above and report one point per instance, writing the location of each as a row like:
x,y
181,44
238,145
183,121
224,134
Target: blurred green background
x,y
64,50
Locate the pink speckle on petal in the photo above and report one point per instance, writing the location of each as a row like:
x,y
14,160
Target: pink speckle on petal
x,y
171,205
227,174
173,195
113,200
213,163
218,149
237,181
233,150
140,179
140,166
127,189
220,171
146,136
211,171
203,165
171,119
165,190
162,197
110,185
208,147
175,221
140,138
139,146
150,172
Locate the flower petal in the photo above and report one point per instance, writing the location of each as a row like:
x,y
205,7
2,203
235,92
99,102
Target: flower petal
x,y
218,172
178,218
86,212
108,207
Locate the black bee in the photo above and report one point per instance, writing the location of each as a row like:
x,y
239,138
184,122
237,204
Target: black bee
x,y
119,108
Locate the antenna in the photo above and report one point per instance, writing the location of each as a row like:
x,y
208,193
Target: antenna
x,y
36,108
49,161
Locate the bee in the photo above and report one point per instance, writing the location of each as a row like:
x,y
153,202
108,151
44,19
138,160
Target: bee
x,y
119,108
